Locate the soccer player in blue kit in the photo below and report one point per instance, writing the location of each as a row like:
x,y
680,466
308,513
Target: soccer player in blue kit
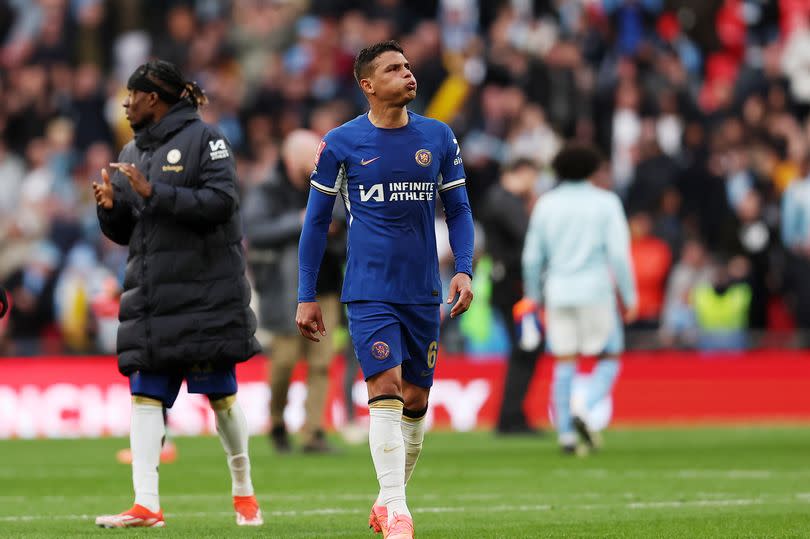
x,y
388,166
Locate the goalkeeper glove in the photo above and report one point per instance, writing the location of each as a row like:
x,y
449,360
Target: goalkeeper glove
x,y
526,314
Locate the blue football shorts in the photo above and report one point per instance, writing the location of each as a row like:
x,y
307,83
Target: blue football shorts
x,y
386,335
216,383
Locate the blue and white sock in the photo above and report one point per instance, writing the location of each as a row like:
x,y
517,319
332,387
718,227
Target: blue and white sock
x,y
564,372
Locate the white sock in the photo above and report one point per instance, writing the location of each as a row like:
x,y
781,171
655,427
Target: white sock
x,y
388,453
145,435
233,433
413,434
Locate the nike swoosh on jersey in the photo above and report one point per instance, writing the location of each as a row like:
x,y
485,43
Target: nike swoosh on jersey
x,y
365,162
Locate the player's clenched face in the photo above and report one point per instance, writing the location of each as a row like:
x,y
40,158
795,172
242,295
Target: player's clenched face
x,y
391,80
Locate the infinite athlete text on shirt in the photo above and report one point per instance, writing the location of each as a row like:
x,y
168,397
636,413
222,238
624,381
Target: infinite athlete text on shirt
x,y
398,192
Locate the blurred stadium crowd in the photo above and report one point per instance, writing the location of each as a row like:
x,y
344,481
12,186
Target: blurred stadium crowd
x,y
700,107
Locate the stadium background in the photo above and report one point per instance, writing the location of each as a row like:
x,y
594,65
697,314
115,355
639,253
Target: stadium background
x,y
700,107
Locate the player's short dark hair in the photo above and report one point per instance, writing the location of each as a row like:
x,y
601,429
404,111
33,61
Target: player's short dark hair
x,y
365,58
576,162
167,81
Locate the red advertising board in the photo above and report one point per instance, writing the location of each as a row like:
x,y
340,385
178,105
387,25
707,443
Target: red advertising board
x,y
85,396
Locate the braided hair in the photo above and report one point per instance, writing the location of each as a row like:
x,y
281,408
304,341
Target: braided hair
x,y
166,80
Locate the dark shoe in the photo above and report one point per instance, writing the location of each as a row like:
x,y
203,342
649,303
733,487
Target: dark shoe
x,y
579,450
583,431
318,444
280,439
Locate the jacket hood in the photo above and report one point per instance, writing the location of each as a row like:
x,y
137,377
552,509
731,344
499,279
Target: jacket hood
x,y
156,134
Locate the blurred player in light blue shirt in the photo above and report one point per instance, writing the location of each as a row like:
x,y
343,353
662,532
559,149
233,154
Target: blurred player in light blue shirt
x,y
576,256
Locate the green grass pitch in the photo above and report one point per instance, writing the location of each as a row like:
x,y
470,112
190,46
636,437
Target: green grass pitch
x,y
671,483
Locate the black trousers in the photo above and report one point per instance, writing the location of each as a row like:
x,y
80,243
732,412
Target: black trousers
x,y
798,288
519,372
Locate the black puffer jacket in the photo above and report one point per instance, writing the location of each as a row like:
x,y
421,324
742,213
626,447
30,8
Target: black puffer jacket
x,y
186,298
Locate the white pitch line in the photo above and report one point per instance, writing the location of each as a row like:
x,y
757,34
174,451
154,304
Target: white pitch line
x,y
70,473
266,497
727,474
499,472
492,509
673,504
693,503
603,473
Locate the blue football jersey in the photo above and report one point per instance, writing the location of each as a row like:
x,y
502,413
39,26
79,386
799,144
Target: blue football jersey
x,y
389,180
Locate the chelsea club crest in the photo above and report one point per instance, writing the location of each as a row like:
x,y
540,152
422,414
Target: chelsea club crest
x,y
380,350
424,158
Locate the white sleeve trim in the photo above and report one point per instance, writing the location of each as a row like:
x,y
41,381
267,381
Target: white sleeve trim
x,y
455,183
342,178
323,188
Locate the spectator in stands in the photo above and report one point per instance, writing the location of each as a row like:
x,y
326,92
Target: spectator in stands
x,y
796,239
174,45
667,222
28,222
722,307
3,302
273,218
654,175
678,322
87,107
711,117
80,282
12,171
651,261
32,289
505,217
754,239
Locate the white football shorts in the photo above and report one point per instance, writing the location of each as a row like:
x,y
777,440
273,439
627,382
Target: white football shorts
x,y
581,330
